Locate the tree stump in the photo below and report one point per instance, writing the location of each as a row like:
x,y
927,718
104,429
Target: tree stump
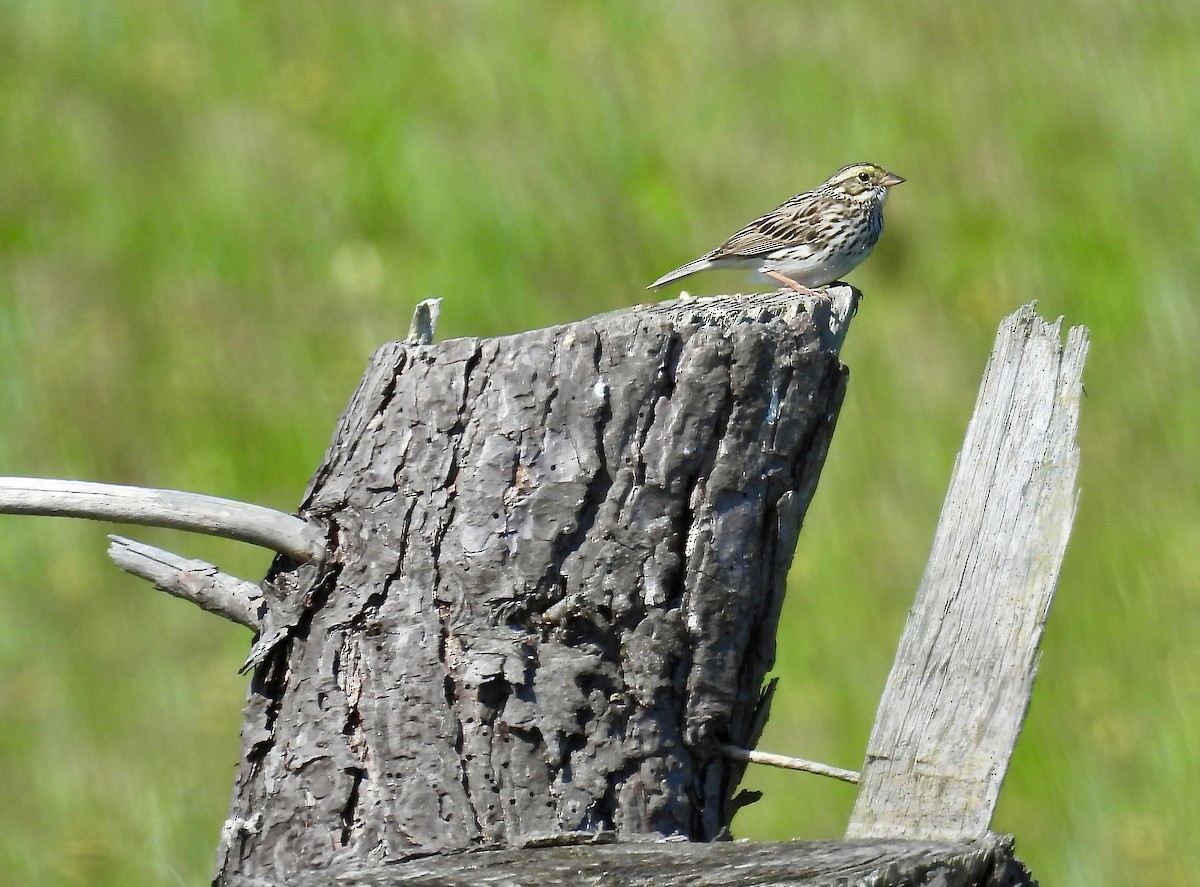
x,y
554,572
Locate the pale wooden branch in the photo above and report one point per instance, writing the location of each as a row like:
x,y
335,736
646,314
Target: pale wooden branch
x,y
961,683
241,521
753,756
193,580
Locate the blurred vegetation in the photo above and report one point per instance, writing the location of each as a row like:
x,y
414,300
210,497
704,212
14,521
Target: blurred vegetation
x,y
211,212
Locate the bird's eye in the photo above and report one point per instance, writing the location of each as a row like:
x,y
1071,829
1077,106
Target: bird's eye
x,y
863,177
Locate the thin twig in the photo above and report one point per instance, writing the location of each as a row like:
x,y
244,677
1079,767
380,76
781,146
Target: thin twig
x,y
771,760
173,509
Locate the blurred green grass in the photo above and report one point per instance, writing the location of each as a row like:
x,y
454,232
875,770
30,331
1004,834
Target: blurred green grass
x,y
211,212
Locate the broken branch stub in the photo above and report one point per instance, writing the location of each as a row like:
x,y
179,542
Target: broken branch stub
x,y
556,568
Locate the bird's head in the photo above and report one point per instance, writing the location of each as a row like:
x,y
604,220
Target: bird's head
x,y
859,179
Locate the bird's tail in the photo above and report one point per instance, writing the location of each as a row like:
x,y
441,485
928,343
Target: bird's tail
x,y
701,264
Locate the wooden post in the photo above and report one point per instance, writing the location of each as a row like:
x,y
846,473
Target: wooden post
x,y
963,677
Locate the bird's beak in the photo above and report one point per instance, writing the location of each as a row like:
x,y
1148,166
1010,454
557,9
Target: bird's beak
x,y
891,179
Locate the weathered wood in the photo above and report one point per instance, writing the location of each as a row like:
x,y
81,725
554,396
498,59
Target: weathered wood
x,y
961,683
985,863
556,569
193,580
173,509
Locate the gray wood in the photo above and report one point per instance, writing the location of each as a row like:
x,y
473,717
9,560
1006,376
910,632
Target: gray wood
x,y
985,863
194,580
962,679
557,561
174,509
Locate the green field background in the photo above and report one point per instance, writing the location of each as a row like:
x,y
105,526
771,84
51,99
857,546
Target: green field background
x,y
212,212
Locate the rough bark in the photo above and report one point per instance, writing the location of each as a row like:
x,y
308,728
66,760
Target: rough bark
x,y
961,684
556,565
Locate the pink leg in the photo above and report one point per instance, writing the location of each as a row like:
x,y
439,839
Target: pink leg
x,y
791,284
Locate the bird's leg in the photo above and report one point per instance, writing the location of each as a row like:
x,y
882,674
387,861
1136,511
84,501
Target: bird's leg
x,y
791,284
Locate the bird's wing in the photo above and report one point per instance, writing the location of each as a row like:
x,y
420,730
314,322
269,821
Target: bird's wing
x,y
789,225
